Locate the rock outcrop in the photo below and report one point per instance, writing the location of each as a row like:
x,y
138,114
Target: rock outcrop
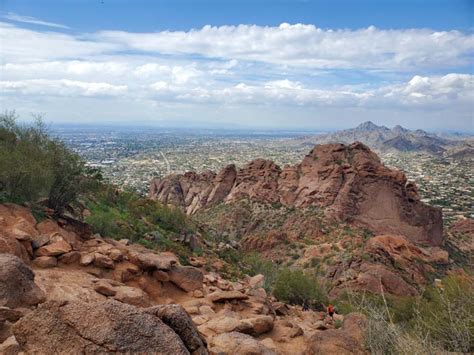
x,y
17,286
102,327
348,181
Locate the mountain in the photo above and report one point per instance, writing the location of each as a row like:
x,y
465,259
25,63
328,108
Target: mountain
x,y
464,151
348,181
384,139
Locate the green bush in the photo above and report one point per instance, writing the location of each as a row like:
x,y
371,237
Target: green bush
x,y
35,166
446,314
257,265
296,287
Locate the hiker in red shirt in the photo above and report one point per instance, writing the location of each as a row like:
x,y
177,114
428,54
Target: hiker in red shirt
x,y
330,310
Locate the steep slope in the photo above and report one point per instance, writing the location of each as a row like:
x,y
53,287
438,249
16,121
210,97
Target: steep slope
x,y
348,182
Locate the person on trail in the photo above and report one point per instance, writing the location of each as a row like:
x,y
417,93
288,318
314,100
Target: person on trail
x,y
330,311
305,307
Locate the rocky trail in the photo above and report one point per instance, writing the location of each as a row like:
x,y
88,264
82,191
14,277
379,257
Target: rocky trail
x,y
64,291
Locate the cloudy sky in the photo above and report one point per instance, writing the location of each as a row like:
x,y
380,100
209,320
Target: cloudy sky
x,y
287,64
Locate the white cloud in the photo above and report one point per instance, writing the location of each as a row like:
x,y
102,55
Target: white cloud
x,y
64,87
28,19
308,46
243,67
19,45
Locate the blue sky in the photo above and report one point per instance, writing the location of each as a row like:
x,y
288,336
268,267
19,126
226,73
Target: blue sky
x,y
267,64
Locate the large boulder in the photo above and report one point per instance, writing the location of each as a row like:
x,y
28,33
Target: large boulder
x,y
347,340
95,327
179,320
17,285
235,343
151,261
188,278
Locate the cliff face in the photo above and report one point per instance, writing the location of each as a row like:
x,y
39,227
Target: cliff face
x,y
348,181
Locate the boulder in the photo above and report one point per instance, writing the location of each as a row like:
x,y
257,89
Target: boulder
x,y
188,278
17,286
104,288
103,261
131,295
45,261
349,339
56,248
235,343
39,241
257,281
70,258
231,322
95,327
152,261
177,319
86,259
12,246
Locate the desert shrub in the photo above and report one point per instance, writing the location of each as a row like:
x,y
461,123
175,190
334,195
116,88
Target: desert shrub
x,y
441,320
296,287
34,166
105,223
255,265
446,314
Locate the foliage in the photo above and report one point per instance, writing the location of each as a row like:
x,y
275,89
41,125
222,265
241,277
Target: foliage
x,y
35,166
296,287
446,314
441,320
257,265
124,214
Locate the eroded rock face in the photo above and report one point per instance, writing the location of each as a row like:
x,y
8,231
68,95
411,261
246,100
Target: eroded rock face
x,y
100,327
17,286
349,181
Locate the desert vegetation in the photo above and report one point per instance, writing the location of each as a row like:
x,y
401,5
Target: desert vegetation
x,y
441,320
34,166
40,171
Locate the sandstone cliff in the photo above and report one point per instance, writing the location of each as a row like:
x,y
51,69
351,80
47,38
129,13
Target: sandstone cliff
x,y
348,181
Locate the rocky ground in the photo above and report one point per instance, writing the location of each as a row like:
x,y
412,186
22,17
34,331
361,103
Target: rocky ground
x,y
63,290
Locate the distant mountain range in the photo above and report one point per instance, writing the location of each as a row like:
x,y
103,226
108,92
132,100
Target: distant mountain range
x,y
384,139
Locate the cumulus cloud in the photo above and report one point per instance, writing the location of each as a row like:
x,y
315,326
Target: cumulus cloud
x,y
288,66
308,46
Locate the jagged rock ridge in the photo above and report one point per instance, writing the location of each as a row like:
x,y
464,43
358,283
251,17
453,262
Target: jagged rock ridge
x,y
348,181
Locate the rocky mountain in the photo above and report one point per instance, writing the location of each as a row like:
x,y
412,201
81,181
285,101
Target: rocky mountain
x,y
347,182
462,152
384,139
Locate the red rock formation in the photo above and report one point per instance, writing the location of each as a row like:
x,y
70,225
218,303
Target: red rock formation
x,y
349,181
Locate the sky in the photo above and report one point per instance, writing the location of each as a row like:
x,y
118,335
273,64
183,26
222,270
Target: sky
x,y
280,64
